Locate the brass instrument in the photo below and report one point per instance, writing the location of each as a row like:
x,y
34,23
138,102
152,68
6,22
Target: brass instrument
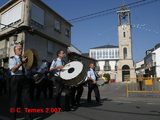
x,y
32,58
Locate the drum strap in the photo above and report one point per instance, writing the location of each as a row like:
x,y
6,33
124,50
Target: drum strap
x,y
55,64
95,75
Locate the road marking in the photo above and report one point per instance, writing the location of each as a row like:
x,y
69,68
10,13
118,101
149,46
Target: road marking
x,y
150,103
121,101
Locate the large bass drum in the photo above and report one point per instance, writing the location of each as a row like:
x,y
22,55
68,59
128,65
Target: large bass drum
x,y
73,73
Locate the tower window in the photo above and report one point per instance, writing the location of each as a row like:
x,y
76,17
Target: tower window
x,y
125,53
124,34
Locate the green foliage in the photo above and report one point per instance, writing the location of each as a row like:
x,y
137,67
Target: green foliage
x,y
106,76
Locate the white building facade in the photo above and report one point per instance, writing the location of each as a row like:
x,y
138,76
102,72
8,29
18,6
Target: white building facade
x,y
107,57
140,70
152,62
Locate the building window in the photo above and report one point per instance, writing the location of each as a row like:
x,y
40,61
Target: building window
x,y
124,34
100,54
37,14
107,66
110,53
116,54
50,47
67,32
57,26
125,53
94,53
10,18
106,53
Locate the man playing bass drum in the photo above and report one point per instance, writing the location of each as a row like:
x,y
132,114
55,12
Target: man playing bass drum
x,y
56,67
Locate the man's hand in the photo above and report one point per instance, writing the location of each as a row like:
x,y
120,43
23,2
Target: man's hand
x,y
94,82
24,60
60,67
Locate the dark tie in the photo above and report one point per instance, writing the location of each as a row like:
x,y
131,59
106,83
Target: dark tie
x,y
23,69
95,75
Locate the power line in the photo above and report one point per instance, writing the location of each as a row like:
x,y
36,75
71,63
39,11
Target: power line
x,y
92,14
111,10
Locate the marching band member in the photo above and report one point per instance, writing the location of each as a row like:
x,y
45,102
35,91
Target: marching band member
x,y
92,78
56,66
20,85
76,93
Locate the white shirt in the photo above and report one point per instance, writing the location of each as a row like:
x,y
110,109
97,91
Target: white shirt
x,y
91,74
56,63
13,61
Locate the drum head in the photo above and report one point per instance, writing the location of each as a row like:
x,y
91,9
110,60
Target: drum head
x,y
29,54
71,70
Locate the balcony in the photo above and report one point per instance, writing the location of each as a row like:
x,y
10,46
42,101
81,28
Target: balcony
x,y
107,68
97,68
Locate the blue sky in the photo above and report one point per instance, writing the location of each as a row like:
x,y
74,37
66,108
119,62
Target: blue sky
x,y
103,30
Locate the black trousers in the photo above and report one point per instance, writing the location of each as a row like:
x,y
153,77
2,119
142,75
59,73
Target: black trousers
x,y
50,88
41,88
59,87
1,83
3,87
94,87
76,93
20,94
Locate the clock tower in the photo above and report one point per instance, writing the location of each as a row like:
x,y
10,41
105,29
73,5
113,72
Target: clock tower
x,y
126,70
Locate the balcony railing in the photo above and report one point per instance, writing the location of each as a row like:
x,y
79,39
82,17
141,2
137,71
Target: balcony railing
x,y
107,68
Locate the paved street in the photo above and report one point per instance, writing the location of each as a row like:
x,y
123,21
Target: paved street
x,y
115,106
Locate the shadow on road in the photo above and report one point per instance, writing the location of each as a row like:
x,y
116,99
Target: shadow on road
x,y
41,104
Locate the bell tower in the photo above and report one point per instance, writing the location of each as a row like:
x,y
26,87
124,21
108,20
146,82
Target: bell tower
x,y
126,69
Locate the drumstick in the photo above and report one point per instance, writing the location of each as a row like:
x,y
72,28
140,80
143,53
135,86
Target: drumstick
x,y
66,66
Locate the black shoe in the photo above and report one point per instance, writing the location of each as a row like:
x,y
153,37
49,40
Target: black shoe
x,y
67,109
98,102
28,117
78,104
